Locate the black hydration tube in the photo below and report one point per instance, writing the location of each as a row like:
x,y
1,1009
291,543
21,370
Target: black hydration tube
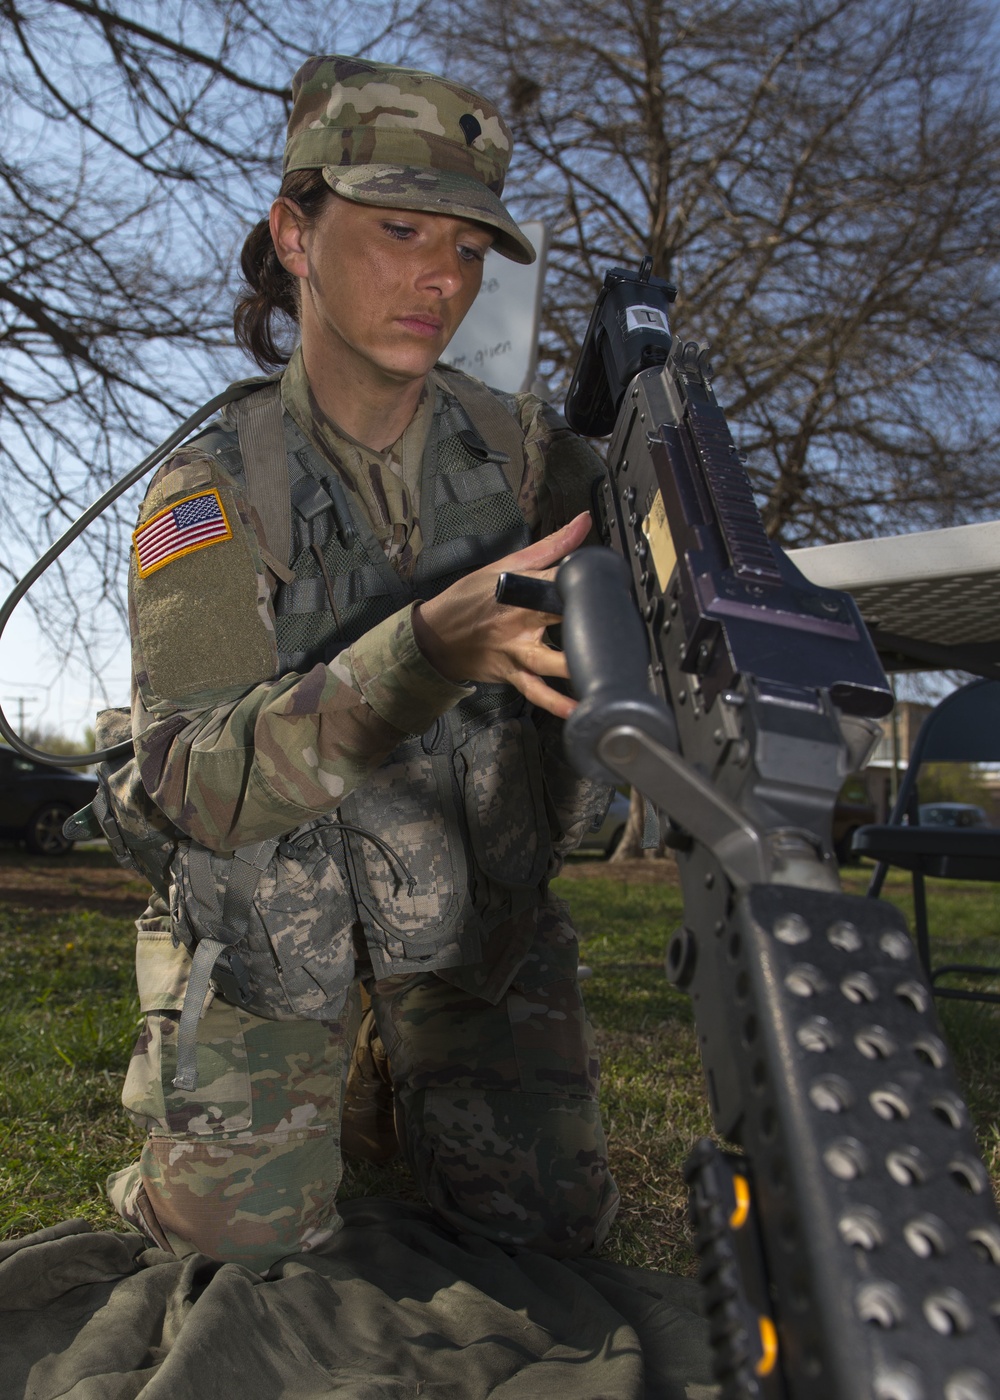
x,y
81,760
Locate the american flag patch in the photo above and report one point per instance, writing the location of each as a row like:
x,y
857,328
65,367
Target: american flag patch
x,y
190,524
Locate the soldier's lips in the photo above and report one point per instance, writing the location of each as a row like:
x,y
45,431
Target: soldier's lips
x,y
428,326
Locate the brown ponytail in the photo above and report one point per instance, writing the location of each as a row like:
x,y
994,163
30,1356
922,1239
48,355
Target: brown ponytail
x,y
270,294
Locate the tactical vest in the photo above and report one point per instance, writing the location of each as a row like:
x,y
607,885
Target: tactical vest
x,y
449,837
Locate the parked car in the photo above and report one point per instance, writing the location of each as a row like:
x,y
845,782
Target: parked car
x,y
610,832
951,814
35,800
854,808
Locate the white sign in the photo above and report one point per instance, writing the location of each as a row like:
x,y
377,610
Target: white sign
x,y
498,340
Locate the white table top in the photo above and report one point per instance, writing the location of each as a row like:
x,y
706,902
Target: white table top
x,y
940,587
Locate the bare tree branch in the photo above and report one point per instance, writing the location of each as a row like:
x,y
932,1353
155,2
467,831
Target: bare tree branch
x,y
139,140
819,179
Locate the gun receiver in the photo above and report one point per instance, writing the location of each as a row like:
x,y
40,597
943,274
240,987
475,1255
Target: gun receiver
x,y
853,1253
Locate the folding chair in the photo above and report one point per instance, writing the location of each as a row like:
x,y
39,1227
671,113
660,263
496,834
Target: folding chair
x,y
963,728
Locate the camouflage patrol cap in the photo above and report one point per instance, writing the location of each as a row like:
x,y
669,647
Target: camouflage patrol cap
x,y
403,139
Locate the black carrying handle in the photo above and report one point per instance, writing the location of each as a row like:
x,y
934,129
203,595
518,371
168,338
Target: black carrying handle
x,y
605,645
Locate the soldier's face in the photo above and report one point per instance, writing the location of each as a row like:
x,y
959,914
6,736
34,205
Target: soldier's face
x,y
384,290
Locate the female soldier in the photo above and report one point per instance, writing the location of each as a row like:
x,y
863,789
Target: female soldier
x,y
358,748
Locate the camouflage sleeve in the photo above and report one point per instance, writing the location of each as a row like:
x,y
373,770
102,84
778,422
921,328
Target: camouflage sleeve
x,y
560,467
228,750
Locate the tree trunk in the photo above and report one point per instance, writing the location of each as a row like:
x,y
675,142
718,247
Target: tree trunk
x,y
630,846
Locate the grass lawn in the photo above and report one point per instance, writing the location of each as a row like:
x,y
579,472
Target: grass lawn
x,y
654,1103
69,1016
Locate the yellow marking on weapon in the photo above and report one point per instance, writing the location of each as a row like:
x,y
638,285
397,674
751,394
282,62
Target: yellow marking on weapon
x,y
741,1190
661,543
769,1346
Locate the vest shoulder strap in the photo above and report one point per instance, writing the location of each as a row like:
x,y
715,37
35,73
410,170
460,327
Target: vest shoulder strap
x,y
260,429
491,417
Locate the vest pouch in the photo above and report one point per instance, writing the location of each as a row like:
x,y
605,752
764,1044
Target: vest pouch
x,y
297,944
500,769
140,836
410,803
306,912
576,804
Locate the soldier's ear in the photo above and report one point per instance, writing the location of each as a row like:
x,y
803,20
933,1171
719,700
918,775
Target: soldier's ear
x,y
288,226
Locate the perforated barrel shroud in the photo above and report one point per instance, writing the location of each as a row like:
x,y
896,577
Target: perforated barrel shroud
x,y
897,1276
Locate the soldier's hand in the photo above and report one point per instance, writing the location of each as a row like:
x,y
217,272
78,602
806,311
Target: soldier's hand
x,y
468,636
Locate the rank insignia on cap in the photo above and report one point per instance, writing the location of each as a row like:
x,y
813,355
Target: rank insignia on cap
x,y
190,524
471,127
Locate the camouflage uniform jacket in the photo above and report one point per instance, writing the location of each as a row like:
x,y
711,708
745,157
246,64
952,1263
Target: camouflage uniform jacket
x,y
473,806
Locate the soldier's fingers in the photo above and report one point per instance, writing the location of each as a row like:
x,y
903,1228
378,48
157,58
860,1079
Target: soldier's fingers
x,y
533,688
536,621
552,548
546,661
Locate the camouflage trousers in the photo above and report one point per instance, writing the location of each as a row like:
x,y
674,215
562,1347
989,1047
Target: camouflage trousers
x,y
495,1108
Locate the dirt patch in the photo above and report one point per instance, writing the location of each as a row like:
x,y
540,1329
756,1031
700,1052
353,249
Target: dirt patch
x,y
88,878
645,871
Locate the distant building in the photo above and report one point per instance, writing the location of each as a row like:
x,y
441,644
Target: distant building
x,y
888,763
892,754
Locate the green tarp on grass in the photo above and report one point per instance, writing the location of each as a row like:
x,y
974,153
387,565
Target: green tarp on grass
x,y
394,1306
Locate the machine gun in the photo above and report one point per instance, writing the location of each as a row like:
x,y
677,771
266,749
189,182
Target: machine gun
x,y
851,1250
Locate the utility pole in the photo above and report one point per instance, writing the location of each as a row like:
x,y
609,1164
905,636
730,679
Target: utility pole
x,y
894,770
22,703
